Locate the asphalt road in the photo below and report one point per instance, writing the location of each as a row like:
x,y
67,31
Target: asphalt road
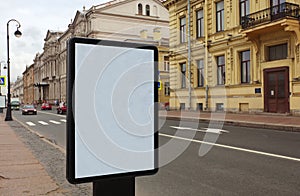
x,y
235,161
245,162
46,123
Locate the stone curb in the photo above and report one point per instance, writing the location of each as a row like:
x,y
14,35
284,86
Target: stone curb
x,y
280,127
42,137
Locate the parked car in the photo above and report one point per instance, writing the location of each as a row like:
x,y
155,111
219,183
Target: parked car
x,y
29,109
165,106
62,108
46,106
15,105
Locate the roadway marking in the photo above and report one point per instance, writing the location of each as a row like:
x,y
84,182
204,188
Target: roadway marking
x,y
232,147
41,136
205,130
62,116
63,120
43,123
30,123
54,122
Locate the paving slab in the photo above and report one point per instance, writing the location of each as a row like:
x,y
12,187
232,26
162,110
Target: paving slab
x,y
20,172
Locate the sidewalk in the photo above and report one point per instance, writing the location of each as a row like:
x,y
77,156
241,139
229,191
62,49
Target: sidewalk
x,y
264,120
20,172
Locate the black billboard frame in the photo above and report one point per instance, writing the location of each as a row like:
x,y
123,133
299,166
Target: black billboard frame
x,y
70,126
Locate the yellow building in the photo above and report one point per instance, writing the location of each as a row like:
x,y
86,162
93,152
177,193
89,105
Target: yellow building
x,y
235,56
164,68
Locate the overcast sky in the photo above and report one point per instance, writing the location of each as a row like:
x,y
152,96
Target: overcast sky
x,y
36,17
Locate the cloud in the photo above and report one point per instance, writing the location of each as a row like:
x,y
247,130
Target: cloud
x,y
36,17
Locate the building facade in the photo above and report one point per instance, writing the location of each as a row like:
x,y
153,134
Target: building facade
x,y
138,21
48,67
28,85
18,88
235,55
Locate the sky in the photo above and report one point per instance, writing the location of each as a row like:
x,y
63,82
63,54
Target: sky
x,y
36,18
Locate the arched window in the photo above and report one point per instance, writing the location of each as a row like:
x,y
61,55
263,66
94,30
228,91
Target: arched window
x,y
140,9
147,10
155,10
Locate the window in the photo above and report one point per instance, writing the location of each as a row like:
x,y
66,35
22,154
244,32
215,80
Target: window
x,y
221,70
147,10
183,75
155,12
200,106
245,66
140,9
200,24
182,29
167,88
277,7
277,52
276,2
220,16
182,106
166,64
220,106
200,68
244,9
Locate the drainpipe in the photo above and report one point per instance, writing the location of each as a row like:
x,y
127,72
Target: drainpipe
x,y
206,53
189,53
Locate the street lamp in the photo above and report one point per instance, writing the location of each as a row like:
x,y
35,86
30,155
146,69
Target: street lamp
x,y
17,34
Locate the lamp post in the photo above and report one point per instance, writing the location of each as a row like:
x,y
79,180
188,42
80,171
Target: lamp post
x,y
17,34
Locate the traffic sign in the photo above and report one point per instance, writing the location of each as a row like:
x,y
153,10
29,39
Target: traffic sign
x,y
2,80
159,85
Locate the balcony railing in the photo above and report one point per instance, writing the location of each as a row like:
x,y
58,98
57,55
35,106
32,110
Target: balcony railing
x,y
281,11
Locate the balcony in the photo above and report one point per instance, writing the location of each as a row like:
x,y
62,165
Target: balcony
x,y
282,11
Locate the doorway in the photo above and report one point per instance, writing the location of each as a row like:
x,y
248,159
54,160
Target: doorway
x,y
276,90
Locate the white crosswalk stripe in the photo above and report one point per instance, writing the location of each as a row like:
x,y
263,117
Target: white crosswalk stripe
x,y
30,123
54,122
46,123
43,123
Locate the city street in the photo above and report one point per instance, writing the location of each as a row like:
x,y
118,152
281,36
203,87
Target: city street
x,y
47,123
244,161
206,93
232,169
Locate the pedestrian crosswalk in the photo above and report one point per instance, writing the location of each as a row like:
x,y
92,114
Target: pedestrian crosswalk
x,y
30,123
46,123
43,123
54,122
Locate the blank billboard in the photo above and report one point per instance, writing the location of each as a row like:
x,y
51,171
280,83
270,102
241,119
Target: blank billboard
x,y
112,115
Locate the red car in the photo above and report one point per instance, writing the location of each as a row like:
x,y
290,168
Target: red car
x,y
46,106
62,108
165,106
29,109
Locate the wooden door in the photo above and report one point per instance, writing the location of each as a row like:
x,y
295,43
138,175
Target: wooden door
x,y
276,90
